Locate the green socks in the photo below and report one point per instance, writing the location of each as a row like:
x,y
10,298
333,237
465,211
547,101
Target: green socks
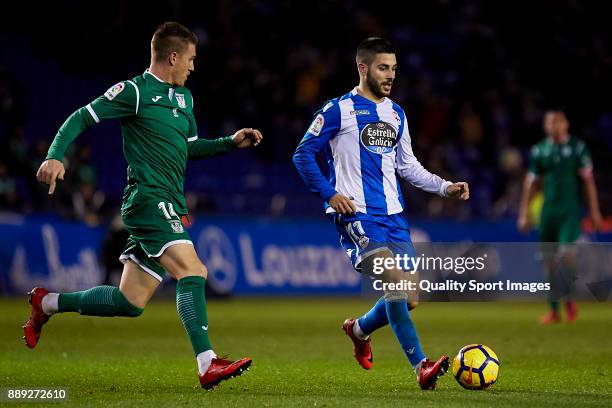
x,y
570,281
191,307
98,301
109,301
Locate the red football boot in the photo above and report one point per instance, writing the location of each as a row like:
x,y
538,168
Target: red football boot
x,y
221,369
430,371
572,311
38,318
363,350
550,317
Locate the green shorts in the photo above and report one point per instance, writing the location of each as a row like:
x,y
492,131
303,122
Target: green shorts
x,y
558,233
153,226
561,229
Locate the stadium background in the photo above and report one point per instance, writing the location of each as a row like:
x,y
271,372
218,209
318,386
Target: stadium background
x,y
474,78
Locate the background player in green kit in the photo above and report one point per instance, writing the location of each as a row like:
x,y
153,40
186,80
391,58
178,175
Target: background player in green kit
x,y
159,136
563,163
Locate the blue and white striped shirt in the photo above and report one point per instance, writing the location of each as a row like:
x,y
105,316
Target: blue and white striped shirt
x,y
365,144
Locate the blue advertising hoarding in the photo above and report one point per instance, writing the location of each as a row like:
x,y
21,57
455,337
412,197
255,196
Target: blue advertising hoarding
x,y
243,256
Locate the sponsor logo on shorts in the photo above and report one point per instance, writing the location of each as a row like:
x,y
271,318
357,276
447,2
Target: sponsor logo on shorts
x,y
177,226
363,241
357,234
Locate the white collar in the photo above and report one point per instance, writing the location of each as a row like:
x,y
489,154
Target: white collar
x,y
155,76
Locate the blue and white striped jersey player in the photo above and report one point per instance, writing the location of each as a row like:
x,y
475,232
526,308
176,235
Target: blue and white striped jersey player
x,y
364,136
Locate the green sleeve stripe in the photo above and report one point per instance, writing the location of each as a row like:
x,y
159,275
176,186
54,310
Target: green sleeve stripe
x,y
92,113
137,94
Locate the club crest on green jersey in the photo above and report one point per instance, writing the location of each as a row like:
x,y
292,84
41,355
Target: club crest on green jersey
x,y
114,90
180,99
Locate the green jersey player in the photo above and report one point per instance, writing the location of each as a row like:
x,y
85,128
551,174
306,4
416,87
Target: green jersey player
x,y
562,162
159,136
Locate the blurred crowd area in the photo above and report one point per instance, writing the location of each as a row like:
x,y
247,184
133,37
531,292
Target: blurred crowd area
x,y
474,78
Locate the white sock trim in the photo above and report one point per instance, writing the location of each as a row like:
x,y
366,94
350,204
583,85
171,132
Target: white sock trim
x,y
50,303
358,332
204,359
417,367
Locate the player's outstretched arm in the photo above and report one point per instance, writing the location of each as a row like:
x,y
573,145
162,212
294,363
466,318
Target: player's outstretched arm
x,y
205,148
52,169
119,101
410,169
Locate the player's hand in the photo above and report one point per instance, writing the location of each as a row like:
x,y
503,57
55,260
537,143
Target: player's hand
x,y
459,190
523,224
342,204
49,172
247,137
597,221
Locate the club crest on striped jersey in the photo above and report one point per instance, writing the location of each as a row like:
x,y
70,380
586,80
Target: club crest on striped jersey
x,y
180,99
114,90
396,117
379,137
317,125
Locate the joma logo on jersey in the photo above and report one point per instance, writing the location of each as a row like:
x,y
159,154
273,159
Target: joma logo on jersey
x,y
360,112
379,137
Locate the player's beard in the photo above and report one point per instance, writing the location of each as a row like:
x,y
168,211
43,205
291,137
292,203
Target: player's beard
x,y
376,87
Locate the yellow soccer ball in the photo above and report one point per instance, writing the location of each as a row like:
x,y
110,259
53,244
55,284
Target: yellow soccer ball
x,y
476,367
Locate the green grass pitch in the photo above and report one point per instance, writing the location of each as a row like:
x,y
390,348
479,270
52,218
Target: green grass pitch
x,y
302,358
